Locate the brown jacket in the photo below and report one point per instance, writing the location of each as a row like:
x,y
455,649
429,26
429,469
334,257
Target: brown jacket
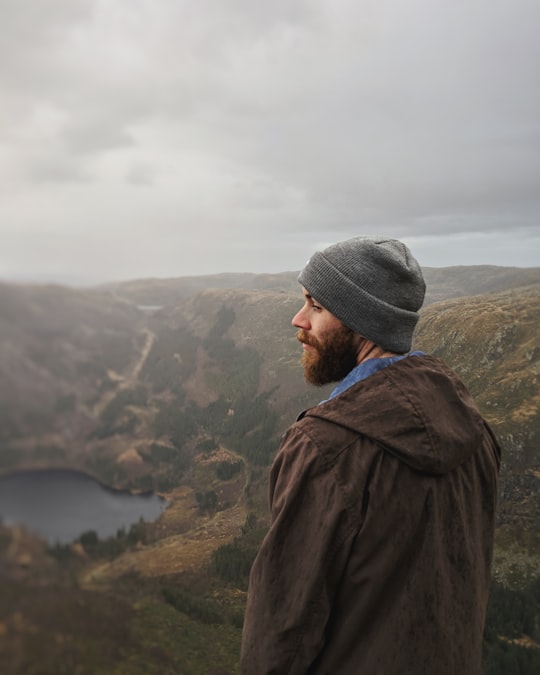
x,y
377,561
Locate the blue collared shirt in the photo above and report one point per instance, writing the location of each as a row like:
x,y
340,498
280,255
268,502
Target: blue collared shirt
x,y
365,369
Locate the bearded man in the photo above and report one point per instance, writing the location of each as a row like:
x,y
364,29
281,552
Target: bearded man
x,y
382,497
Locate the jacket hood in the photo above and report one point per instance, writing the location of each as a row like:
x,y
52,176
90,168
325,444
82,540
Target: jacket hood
x,y
417,409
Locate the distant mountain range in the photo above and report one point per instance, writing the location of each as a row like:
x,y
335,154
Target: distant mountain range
x,y
442,283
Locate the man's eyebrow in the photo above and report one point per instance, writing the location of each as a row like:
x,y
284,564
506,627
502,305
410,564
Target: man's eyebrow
x,y
309,297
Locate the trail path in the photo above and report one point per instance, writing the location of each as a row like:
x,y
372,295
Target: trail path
x,y
127,379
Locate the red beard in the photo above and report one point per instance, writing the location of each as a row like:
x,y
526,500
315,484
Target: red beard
x,y
331,357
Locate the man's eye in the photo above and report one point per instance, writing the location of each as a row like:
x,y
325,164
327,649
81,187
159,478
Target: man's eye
x,y
317,308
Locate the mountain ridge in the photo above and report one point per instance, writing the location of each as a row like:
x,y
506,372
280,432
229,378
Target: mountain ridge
x,y
441,282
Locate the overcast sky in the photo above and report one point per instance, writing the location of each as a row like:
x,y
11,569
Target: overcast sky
x,y
170,137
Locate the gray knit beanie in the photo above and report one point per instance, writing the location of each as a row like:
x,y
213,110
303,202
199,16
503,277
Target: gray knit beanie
x,y
374,285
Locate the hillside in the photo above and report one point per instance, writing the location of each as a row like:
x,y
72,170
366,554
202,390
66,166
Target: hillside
x,y
89,380
81,366
442,283
492,342
59,348
190,400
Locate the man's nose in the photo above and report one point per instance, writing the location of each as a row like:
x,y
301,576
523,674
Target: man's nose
x,y
300,320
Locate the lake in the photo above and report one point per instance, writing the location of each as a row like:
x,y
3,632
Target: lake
x,y
61,504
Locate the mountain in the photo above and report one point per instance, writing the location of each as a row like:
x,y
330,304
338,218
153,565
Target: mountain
x,y
59,348
442,283
184,387
88,375
491,340
170,292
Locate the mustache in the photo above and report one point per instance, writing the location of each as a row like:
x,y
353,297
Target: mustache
x,y
304,338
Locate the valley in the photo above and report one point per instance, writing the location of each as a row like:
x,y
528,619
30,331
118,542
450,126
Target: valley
x,y
189,400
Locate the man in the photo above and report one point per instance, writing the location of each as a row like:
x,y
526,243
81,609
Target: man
x,y
383,497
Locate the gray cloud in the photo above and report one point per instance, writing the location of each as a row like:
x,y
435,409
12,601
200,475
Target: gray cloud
x,y
189,138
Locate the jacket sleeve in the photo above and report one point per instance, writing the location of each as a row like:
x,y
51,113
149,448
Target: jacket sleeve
x,y
300,562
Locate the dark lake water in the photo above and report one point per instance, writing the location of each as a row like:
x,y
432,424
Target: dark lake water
x,y
61,504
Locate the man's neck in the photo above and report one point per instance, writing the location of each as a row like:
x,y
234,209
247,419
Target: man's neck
x,y
369,350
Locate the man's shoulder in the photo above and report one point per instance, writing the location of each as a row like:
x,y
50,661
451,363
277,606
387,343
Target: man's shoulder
x,y
319,437
321,427
314,448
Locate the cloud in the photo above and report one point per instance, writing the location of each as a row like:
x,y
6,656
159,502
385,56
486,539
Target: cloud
x,y
235,127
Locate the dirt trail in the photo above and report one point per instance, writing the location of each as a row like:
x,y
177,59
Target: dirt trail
x,y
127,379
